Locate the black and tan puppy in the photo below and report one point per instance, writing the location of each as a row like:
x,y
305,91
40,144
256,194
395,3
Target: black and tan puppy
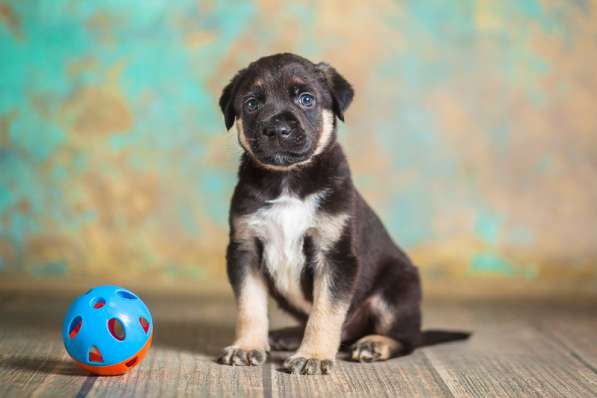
x,y
301,231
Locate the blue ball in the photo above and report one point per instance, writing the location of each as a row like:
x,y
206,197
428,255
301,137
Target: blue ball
x,y
106,326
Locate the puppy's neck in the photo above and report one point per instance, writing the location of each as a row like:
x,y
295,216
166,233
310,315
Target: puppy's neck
x,y
324,170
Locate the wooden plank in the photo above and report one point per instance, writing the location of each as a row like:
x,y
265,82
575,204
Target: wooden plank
x,y
575,333
32,357
167,373
517,350
409,376
507,357
189,333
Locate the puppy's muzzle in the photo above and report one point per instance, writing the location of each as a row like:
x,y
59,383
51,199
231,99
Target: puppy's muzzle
x,y
280,127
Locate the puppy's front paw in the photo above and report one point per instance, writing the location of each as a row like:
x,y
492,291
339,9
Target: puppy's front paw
x,y
236,356
304,365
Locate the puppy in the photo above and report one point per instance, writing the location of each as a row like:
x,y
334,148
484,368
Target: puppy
x,y
301,231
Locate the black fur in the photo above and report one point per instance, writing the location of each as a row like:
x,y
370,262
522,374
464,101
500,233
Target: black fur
x,y
364,262
339,87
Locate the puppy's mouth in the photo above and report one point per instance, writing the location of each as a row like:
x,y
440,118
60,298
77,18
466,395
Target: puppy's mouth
x,y
281,156
284,158
272,151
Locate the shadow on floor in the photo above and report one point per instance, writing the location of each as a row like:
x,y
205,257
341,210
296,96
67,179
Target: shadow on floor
x,y
193,336
40,318
43,365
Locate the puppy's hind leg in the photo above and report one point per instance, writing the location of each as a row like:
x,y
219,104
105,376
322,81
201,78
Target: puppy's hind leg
x,y
375,347
394,310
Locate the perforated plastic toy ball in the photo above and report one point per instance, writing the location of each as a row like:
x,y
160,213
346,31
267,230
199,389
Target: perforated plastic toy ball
x,y
107,330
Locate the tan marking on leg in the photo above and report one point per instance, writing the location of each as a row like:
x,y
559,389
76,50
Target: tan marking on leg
x,y
375,348
251,321
384,314
328,229
323,330
243,232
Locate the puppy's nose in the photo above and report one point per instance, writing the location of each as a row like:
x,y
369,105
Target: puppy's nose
x,y
280,129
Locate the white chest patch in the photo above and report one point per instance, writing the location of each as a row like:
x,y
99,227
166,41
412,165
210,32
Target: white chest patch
x,y
282,227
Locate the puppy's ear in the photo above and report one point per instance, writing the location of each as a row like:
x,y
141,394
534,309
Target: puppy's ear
x,y
227,99
339,87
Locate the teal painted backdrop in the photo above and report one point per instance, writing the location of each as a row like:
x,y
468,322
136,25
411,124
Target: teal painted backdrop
x,y
473,132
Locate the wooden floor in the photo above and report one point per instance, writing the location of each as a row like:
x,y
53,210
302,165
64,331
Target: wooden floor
x,y
519,349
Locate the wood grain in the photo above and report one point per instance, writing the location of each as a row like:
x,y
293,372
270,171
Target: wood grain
x,y
518,350
509,356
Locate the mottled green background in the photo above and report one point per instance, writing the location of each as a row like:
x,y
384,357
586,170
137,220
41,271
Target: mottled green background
x,y
473,132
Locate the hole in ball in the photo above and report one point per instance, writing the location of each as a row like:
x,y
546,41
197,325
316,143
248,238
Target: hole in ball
x,y
127,295
75,326
98,302
144,324
132,362
95,355
116,329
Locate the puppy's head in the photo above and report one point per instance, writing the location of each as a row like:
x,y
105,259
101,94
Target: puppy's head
x,y
285,108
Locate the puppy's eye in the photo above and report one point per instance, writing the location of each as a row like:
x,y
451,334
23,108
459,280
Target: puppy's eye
x,y
251,105
306,100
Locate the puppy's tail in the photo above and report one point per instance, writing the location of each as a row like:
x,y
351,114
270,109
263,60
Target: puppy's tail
x,y
433,337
